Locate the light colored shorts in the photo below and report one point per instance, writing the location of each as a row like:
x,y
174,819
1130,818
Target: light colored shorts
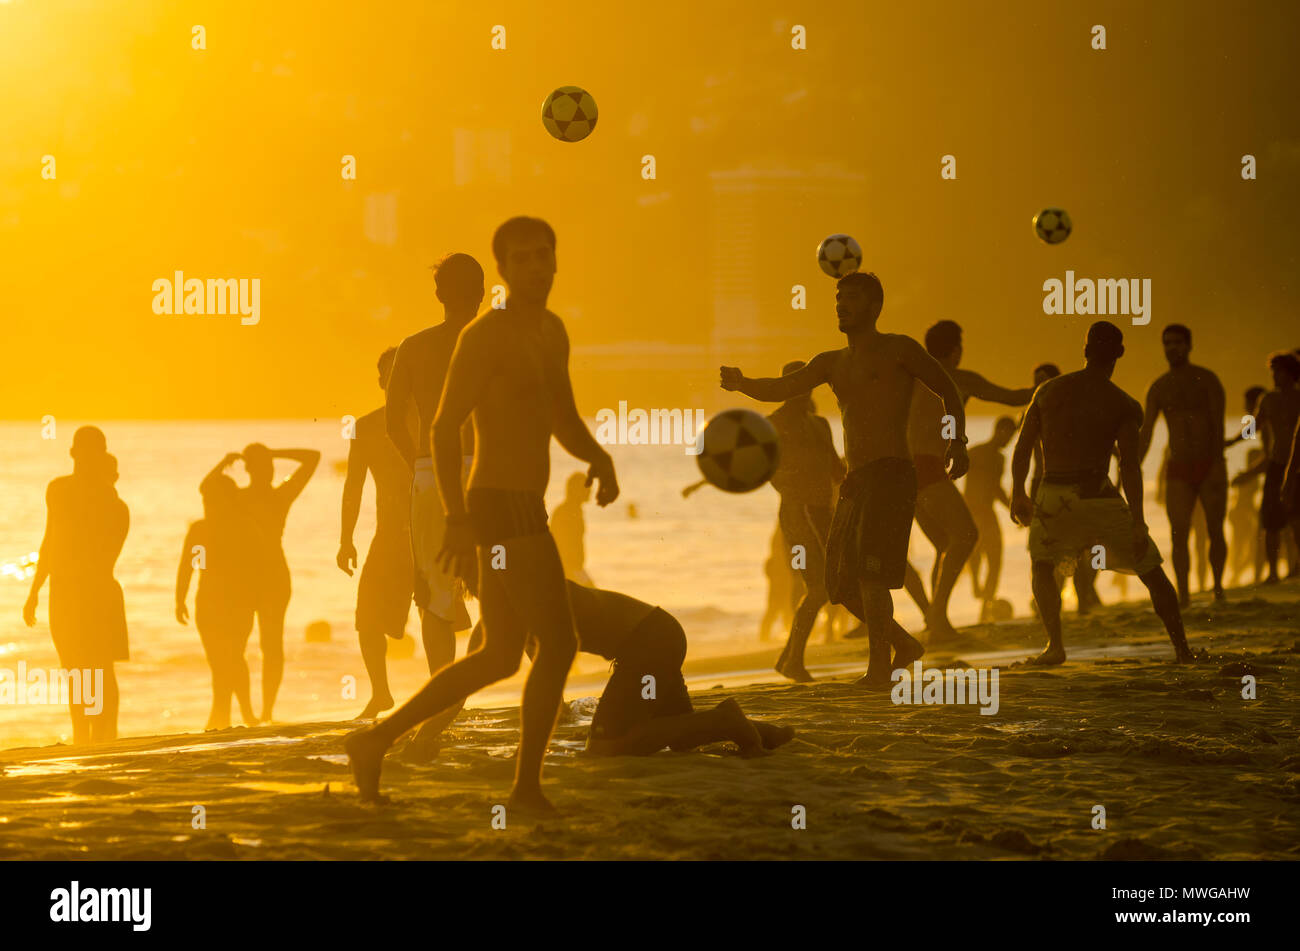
x,y
435,591
1067,526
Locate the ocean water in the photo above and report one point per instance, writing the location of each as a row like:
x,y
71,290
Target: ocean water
x,y
700,558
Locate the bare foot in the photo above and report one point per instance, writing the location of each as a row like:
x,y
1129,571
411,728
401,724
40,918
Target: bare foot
x,y
939,627
378,703
873,680
1049,657
911,651
530,803
366,757
1220,594
795,670
772,734
424,747
743,732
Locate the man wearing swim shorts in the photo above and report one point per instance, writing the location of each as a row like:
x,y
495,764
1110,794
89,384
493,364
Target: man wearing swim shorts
x,y
1079,417
873,379
416,382
510,371
1192,401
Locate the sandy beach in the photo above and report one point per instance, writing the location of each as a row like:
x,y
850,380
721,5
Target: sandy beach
x,y
1183,765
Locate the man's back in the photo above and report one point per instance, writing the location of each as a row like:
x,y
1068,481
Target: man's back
x,y
418,373
1280,410
984,477
1081,414
392,481
808,463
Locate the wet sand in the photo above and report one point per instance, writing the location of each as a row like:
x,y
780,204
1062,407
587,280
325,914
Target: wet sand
x,y
1184,766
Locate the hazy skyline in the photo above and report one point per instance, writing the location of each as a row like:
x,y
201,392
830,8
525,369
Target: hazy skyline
x,y
225,163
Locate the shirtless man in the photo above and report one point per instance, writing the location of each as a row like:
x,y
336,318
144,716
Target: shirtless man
x,y
983,491
1079,417
1192,400
510,369
805,477
940,509
1275,419
872,378
419,371
384,590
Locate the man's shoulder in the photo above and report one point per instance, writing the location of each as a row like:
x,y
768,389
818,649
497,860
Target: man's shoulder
x,y
373,424
422,340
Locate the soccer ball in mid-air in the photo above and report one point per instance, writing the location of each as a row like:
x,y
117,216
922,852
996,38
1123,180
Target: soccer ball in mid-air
x,y
1053,225
569,113
839,255
738,450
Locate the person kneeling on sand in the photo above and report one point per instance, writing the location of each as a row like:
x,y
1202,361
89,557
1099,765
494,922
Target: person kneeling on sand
x,y
645,706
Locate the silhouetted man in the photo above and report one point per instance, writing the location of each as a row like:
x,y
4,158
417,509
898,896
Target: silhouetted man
x,y
510,370
983,490
1192,400
1079,417
384,591
1276,417
873,379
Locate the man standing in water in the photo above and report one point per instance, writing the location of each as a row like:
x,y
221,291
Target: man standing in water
x,y
510,370
805,478
1079,417
384,591
872,378
269,506
1192,401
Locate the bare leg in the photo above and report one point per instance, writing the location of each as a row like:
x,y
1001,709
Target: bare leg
x,y
686,731
1048,597
270,631
884,632
791,661
103,727
374,653
1179,502
942,507
1165,602
1214,507
916,588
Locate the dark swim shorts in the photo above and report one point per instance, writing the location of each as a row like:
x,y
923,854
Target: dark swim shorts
x,y
498,515
657,647
870,529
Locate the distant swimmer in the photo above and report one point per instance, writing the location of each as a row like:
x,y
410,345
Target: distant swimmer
x,y
85,527
983,491
232,553
510,371
941,511
872,378
1079,417
384,590
1192,401
269,505
1276,417
570,528
807,471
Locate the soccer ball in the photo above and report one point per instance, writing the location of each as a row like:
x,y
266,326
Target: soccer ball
x,y
839,255
1002,610
1053,225
569,114
738,450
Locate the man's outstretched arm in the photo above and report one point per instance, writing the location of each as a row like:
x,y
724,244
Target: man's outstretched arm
x,y
930,372
972,384
781,388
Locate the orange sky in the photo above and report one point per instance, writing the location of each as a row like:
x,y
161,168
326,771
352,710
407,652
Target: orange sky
x,y
225,162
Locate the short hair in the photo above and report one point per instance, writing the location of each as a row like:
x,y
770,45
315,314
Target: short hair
x,y
792,367
88,441
1285,362
518,227
1105,342
870,285
1051,369
1178,329
458,275
943,338
1253,393
1003,421
386,359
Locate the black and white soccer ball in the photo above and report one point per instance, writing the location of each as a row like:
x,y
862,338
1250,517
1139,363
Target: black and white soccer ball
x,y
839,255
738,450
1053,225
569,113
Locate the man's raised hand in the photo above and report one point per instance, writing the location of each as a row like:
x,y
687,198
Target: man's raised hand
x,y
730,378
